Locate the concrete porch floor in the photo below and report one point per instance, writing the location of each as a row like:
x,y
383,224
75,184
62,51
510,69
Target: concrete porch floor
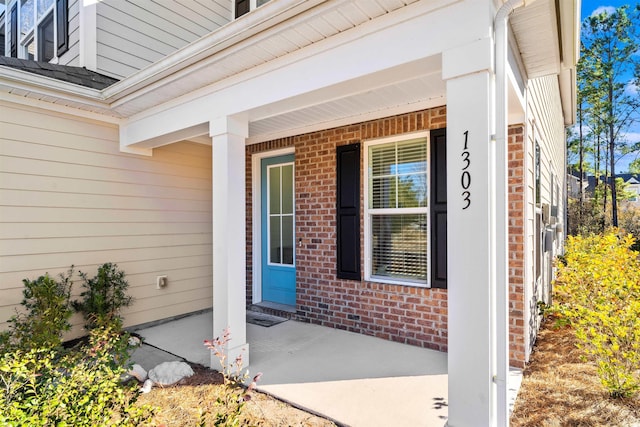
x,y
353,379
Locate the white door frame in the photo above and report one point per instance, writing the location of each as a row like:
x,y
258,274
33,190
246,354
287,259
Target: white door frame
x,y
256,232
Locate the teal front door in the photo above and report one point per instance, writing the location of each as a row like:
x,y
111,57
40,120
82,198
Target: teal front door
x,y
278,230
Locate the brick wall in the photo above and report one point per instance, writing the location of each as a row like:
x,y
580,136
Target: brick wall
x,y
407,314
516,202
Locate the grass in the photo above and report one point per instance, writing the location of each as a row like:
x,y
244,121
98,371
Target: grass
x,y
559,388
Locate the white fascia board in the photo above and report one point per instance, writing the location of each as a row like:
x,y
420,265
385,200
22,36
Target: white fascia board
x,y
570,29
568,95
350,55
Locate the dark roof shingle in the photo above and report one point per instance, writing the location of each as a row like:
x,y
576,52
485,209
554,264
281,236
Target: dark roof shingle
x,y
76,75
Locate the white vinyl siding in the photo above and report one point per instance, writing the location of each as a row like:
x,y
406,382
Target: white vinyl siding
x,y
545,126
69,196
134,34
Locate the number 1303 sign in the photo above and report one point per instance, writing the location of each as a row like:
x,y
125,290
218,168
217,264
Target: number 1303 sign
x,y
465,176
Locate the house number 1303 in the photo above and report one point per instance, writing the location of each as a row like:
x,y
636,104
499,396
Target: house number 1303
x,y
465,177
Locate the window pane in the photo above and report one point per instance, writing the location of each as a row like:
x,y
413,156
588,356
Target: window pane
x,y
287,189
274,190
274,240
398,175
412,157
45,39
26,17
287,240
412,191
383,192
261,2
43,6
383,160
399,245
30,50
412,174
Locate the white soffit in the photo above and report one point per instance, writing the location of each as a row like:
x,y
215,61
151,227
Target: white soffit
x,y
536,31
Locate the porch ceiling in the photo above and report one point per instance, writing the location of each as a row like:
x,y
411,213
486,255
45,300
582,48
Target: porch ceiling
x,y
395,91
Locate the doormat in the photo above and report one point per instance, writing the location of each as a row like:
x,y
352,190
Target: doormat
x,y
263,319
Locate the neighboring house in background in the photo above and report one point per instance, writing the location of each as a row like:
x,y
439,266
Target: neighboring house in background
x,y
631,179
573,184
633,186
332,159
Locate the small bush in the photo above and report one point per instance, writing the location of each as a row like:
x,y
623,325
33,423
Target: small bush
x,y
46,314
103,297
80,387
598,292
234,395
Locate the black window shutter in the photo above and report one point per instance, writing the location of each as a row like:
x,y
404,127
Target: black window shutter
x,y
438,208
348,211
13,43
242,7
62,26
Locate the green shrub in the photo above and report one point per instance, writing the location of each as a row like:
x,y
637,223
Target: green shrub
x,y
45,317
598,292
103,297
79,387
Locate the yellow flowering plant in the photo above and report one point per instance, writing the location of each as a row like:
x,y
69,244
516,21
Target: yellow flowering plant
x,y
597,291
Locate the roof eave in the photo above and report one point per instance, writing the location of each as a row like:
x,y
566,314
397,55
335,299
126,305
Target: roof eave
x,y
570,41
25,80
231,34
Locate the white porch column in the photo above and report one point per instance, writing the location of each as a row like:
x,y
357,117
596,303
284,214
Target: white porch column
x,y
468,71
229,244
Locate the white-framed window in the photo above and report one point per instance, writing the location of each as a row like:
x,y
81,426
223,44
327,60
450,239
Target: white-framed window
x,y
243,7
397,210
38,29
3,37
281,214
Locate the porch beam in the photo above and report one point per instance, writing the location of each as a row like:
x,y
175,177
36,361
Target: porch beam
x,y
228,214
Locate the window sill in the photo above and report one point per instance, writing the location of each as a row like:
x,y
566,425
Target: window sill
x,y
390,281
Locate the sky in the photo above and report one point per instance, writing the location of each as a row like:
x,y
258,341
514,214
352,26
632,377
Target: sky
x,y
588,8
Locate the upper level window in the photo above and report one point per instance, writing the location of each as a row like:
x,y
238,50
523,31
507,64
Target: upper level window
x,y
32,29
397,215
2,36
244,6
